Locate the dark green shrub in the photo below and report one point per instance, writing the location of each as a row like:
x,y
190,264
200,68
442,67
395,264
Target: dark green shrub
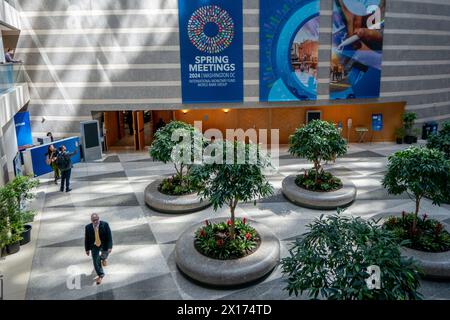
x,y
331,261
181,144
326,181
318,141
441,140
214,240
429,234
228,181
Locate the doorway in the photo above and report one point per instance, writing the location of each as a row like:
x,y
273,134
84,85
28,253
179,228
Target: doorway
x,y
128,130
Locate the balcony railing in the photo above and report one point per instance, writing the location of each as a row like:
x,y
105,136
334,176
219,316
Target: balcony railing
x,y
10,75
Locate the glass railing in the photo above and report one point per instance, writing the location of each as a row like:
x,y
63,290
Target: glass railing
x,y
10,75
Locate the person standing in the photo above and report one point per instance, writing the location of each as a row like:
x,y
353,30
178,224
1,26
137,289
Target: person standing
x,y
130,122
9,56
52,156
98,242
64,163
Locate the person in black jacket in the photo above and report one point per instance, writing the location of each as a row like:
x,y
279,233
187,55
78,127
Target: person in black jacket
x,y
98,242
65,166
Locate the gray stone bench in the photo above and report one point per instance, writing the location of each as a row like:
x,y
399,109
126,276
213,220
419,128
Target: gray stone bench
x,y
172,204
227,272
318,200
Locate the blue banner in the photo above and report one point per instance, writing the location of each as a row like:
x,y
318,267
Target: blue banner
x,y
23,129
211,50
357,42
289,49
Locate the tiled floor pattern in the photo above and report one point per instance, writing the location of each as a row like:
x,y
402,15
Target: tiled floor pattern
x,y
142,263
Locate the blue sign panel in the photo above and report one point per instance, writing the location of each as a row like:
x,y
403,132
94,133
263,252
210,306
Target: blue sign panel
x,y
211,50
38,154
23,129
289,49
377,122
357,48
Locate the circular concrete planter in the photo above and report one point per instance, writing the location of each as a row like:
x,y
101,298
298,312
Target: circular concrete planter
x,y
227,272
318,200
172,204
435,265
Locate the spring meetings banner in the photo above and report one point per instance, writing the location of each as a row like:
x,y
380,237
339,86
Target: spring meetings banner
x,y
289,49
357,48
211,50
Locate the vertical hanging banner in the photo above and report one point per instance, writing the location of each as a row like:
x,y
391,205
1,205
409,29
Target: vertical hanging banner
x,y
357,48
211,50
289,49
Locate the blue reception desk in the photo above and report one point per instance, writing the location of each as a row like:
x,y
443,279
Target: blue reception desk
x,y
34,158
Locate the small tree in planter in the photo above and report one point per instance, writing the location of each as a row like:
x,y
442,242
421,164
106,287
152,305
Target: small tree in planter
x,y
441,140
419,172
318,141
168,145
332,261
228,181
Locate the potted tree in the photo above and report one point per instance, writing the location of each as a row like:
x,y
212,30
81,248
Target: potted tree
x,y
399,135
421,172
336,257
229,251
441,142
14,216
319,141
180,144
22,187
408,122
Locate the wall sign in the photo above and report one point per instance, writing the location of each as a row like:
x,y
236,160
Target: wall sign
x,y
357,42
211,50
289,49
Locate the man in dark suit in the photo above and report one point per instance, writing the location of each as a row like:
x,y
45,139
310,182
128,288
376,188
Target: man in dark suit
x,y
98,241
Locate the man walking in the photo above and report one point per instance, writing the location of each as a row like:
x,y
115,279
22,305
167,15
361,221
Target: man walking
x,y
98,242
64,164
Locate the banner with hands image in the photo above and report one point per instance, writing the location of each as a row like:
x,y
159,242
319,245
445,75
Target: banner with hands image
x,y
357,48
211,50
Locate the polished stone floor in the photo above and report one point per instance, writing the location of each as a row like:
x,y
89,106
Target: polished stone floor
x,y
142,262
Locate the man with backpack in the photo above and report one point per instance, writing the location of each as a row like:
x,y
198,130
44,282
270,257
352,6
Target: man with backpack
x,y
65,166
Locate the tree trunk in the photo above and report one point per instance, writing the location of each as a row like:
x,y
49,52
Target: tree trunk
x,y
416,215
317,168
232,226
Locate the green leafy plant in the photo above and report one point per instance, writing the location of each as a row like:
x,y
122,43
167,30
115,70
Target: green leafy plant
x,y
233,174
441,140
400,133
214,240
331,261
13,214
430,235
408,121
419,172
181,144
326,182
318,141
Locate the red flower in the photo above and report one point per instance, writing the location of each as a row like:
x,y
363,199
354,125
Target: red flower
x,y
229,222
202,233
244,221
207,222
219,243
248,236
